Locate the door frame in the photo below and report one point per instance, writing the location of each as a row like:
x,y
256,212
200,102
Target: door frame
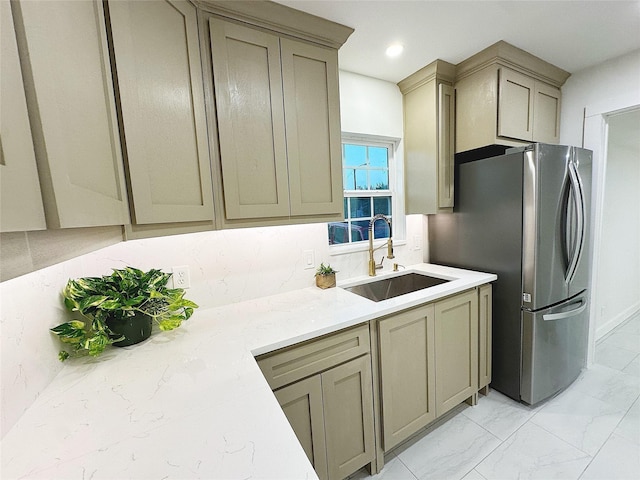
x,y
595,136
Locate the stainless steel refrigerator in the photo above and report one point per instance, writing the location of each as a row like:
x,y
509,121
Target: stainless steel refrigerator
x,y
525,216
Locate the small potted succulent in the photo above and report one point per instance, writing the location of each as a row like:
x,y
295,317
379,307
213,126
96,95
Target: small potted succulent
x,y
119,309
325,276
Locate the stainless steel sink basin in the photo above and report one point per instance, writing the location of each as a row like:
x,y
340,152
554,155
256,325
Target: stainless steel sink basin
x,y
386,288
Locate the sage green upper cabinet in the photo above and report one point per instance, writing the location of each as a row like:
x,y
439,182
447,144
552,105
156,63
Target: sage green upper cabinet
x,y
21,202
528,109
429,127
157,60
250,109
69,91
276,114
312,120
546,121
515,108
507,96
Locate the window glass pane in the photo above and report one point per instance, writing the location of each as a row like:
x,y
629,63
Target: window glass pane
x,y
361,180
382,205
381,229
360,207
379,179
365,170
354,155
360,230
378,157
338,233
349,179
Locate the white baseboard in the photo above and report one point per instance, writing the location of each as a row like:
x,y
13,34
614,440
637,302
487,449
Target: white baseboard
x,y
619,319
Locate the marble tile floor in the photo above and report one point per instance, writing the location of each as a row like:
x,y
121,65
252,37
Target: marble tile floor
x,y
589,431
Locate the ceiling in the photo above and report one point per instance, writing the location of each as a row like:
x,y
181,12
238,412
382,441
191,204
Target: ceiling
x,y
572,35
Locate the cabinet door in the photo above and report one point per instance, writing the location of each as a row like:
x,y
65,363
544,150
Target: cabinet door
x,y
20,201
456,346
420,107
477,109
484,334
249,105
302,404
311,100
446,145
69,91
157,59
515,105
546,118
348,413
407,373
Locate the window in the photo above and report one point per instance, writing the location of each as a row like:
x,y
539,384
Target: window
x,y
368,169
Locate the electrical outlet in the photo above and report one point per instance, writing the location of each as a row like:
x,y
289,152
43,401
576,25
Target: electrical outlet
x,y
181,277
417,242
308,259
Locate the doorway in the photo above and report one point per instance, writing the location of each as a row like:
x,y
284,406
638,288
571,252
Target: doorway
x,y
616,256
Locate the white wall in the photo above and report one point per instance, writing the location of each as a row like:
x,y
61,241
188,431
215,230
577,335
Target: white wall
x,y
369,105
226,266
612,83
588,98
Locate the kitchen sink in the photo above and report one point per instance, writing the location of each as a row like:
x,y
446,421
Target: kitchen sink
x,y
386,288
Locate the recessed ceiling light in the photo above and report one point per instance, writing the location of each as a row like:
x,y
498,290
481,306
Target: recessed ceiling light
x,y
394,49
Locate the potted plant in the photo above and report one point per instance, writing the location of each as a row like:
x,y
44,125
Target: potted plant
x,y
325,276
119,309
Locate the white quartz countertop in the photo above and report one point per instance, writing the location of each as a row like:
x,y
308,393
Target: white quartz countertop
x,y
192,403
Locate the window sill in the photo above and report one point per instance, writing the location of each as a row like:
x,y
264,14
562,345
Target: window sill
x,y
360,247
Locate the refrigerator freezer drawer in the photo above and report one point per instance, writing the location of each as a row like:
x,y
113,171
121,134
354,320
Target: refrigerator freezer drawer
x,y
554,345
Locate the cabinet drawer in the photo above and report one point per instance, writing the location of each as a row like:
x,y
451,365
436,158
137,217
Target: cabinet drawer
x,y
294,363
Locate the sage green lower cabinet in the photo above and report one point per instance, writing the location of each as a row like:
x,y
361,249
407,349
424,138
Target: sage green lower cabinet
x,y
327,396
407,373
426,361
301,402
347,394
456,350
432,358
484,337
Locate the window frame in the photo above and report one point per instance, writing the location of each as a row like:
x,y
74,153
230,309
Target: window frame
x,y
395,191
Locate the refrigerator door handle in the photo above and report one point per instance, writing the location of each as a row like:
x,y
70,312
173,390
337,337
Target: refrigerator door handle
x,y
582,304
578,198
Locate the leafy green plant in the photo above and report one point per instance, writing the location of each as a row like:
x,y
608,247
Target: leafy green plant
x,y
122,294
325,270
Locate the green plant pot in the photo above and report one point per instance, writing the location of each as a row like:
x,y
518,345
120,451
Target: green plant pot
x,y
134,329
